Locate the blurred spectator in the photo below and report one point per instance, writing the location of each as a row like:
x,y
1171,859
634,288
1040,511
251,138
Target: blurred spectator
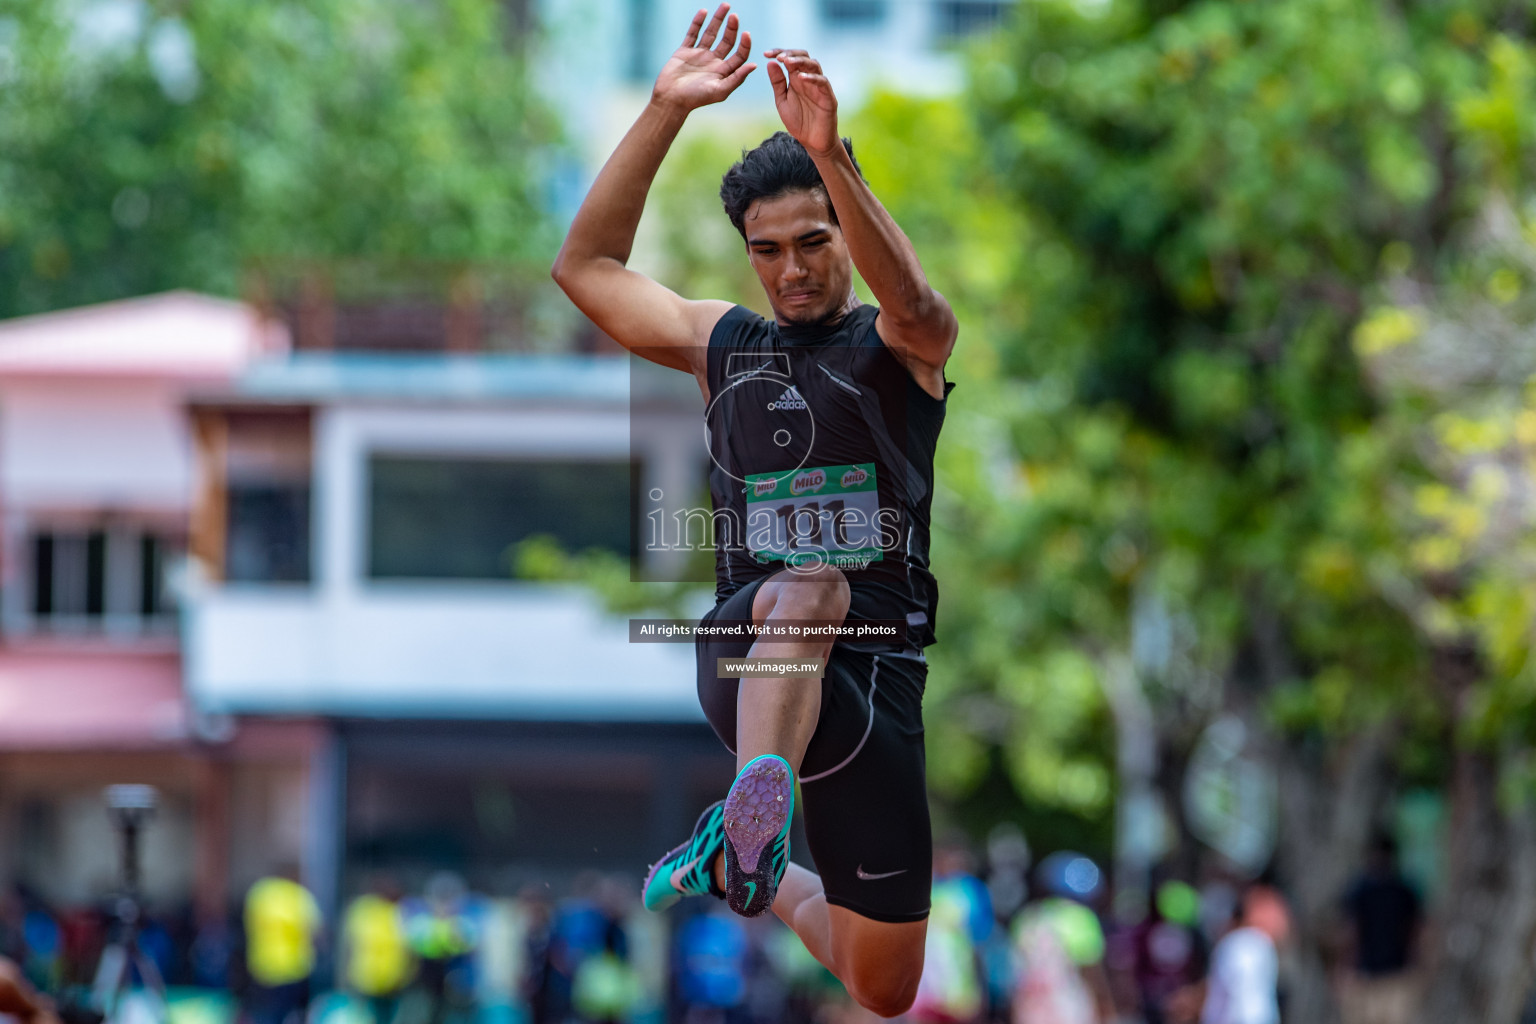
x,y
954,873
712,952
960,919
44,943
212,953
1008,863
809,986
443,934
376,956
1008,860
1167,951
539,920
577,932
950,991
606,988
997,969
282,924
1059,947
502,961
84,931
1219,907
1241,986
158,946
1383,914
768,988
13,943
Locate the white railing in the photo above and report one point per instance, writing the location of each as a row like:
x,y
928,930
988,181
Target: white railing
x,y
532,651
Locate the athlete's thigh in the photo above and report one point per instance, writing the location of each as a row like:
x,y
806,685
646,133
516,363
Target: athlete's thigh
x,y
864,789
717,697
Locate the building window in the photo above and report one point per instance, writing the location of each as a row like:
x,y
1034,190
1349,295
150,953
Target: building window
x,y
99,578
154,596
461,518
268,540
853,13
960,18
257,529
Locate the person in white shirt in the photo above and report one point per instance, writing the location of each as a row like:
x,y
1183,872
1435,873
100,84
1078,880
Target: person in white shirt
x,y
1241,988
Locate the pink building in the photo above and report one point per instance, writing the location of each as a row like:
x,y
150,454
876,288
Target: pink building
x,y
97,478
275,584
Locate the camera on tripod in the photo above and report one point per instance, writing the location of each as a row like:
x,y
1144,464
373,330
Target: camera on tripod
x,y
130,805
124,966
131,801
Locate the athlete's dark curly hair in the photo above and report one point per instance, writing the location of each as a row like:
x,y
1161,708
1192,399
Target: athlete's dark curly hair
x,y
777,167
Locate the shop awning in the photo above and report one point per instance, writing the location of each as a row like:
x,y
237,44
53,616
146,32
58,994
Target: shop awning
x,y
90,701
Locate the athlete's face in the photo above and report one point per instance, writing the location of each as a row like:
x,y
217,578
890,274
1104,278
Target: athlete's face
x,y
801,258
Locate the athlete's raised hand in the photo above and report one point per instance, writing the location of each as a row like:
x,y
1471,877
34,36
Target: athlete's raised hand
x,y
804,97
701,71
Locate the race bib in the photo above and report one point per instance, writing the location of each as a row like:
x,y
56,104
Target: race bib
x,y
826,513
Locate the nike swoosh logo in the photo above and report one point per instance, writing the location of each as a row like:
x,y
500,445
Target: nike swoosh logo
x,y
751,892
865,876
680,873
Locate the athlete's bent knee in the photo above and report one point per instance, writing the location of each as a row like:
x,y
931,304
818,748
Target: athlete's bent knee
x,y
817,593
880,964
887,985
886,997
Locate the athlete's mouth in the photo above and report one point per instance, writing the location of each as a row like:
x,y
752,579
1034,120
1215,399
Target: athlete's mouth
x,y
800,296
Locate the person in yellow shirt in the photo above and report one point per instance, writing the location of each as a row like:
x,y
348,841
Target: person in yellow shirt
x,y
376,950
282,923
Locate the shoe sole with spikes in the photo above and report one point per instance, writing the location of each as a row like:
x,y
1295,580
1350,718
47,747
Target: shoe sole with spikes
x,y
758,811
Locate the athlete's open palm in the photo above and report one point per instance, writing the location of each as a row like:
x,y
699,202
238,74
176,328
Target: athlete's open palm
x,y
804,97
702,71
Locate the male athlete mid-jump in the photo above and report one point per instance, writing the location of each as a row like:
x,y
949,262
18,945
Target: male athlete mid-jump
x,y
822,425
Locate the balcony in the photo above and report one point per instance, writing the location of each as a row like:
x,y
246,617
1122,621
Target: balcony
x,y
355,518
509,651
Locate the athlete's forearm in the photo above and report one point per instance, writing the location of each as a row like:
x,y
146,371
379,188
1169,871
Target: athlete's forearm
x,y
604,226
881,251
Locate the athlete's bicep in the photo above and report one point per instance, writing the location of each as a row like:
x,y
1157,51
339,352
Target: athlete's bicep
x,y
645,317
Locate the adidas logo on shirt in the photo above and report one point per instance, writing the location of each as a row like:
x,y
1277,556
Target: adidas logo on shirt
x,y
790,399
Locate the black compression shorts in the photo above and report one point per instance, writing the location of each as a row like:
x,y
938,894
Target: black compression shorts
x,y
863,781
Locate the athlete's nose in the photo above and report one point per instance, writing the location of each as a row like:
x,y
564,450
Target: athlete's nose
x,y
795,268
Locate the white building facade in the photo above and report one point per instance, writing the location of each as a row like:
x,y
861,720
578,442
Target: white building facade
x,y
355,564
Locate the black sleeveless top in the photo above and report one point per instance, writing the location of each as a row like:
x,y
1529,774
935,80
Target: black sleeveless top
x,y
821,448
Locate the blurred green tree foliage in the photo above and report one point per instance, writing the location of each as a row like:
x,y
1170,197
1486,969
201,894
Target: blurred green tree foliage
x,y
153,145
1246,295
1228,204
1008,722
685,238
